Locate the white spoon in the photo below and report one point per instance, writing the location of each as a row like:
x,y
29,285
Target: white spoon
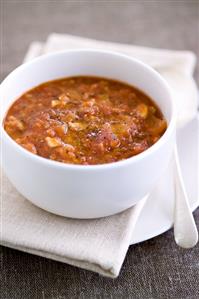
x,y
185,230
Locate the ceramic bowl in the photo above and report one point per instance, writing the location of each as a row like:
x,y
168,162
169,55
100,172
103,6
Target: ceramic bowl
x,y
81,191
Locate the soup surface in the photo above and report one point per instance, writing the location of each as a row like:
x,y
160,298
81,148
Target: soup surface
x,y
85,120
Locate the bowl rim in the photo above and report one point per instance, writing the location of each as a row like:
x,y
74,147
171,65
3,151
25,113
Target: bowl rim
x,y
80,167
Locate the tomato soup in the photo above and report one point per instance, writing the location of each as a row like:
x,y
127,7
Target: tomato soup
x,y
85,120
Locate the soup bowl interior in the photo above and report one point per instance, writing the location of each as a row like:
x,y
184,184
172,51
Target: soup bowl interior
x,y
86,191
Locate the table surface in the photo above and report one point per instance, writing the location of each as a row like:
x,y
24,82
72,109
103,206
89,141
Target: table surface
x,y
156,268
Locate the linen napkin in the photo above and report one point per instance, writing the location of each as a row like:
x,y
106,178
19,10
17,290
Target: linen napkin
x,y
175,66
98,245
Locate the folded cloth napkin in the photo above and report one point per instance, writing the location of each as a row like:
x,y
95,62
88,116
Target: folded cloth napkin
x,y
175,66
99,245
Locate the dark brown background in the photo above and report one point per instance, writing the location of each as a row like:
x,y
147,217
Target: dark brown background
x,y
153,269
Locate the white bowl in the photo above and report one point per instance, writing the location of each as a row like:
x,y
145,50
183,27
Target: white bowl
x,y
80,191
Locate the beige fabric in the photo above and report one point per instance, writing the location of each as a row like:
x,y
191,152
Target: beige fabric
x,y
175,66
98,245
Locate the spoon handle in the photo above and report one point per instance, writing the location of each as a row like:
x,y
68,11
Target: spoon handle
x,y
185,230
